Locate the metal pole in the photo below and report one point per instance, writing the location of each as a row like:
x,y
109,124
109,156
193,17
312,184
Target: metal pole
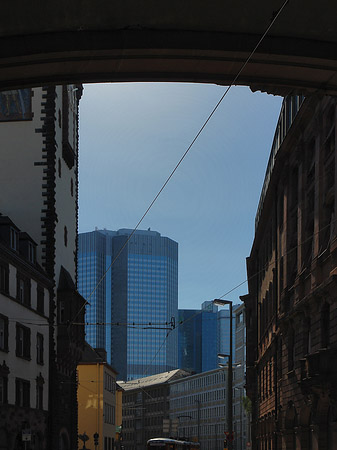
x,y
241,437
198,403
230,380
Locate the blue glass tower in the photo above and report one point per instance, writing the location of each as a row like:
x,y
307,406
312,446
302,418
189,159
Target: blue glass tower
x,y
139,293
93,254
198,337
202,336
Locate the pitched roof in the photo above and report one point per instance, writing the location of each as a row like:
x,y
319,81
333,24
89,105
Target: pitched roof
x,y
152,380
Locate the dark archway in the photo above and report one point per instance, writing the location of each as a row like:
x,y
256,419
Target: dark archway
x,y
127,40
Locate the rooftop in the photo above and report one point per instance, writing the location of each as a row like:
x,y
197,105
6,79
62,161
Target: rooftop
x,y
152,380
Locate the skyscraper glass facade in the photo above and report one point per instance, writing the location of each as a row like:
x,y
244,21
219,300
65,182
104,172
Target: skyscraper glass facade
x,y
223,331
141,296
92,263
202,336
198,338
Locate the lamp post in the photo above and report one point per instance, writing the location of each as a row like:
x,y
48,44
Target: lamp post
x,y
240,389
220,302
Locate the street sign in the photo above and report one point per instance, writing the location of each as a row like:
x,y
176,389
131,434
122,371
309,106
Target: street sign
x,y
26,435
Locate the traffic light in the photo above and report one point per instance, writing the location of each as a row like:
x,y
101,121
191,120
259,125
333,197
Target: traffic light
x,y
96,436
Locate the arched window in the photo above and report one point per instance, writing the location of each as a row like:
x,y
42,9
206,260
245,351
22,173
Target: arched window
x,y
291,348
325,325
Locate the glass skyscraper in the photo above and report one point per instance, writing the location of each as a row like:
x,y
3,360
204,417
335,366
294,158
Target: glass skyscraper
x,y
197,339
139,297
203,334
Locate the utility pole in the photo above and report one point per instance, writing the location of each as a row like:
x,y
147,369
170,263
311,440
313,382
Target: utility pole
x,y
230,378
198,416
229,411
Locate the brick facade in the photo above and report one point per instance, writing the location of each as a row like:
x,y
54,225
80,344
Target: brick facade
x,y
291,307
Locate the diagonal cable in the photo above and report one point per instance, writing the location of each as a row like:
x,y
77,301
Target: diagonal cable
x,y
276,15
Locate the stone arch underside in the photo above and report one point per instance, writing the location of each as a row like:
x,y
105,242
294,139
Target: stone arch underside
x,y
192,41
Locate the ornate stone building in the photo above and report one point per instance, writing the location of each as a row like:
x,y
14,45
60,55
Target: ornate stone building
x,y
291,307
24,341
39,186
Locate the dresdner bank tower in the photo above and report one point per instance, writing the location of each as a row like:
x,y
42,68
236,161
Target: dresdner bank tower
x,y
137,298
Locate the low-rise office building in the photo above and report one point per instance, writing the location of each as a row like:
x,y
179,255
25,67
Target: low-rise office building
x,y
198,408
146,408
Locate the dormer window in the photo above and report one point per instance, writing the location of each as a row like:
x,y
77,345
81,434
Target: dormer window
x,y
61,311
14,239
31,253
23,290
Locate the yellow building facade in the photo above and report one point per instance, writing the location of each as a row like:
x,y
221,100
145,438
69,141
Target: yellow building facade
x,y
96,395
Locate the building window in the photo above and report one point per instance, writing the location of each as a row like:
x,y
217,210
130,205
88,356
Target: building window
x,y
4,278
22,341
65,236
39,396
109,383
23,290
325,325
39,348
61,312
14,239
68,153
291,349
4,371
39,392
3,333
22,393
3,389
109,414
40,300
31,253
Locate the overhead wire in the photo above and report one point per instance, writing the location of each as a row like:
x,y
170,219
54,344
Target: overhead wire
x,y
259,272
275,17
276,14
38,322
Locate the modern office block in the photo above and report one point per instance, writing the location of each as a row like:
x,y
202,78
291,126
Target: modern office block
x,y
198,408
138,298
197,340
146,408
203,334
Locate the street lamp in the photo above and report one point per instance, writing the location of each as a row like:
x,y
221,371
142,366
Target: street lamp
x,y
220,302
240,389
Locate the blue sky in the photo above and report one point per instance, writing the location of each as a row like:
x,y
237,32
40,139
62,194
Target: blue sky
x,y
131,137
